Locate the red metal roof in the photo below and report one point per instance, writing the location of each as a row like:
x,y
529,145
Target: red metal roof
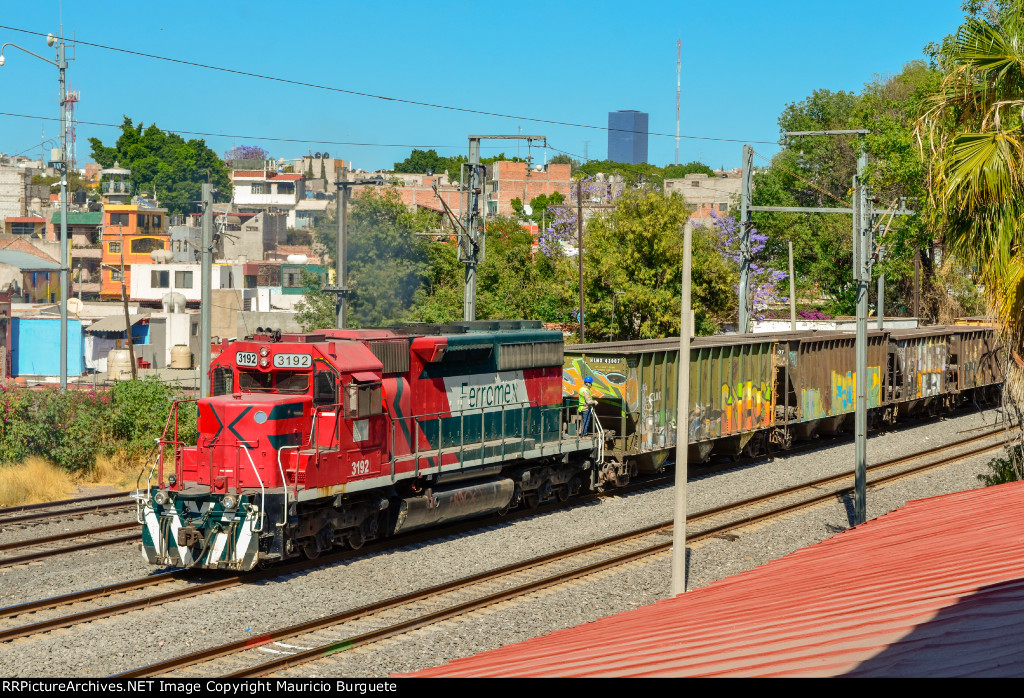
x,y
287,176
933,589
25,219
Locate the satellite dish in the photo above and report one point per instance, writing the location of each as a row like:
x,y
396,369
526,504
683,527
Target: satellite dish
x,y
74,306
327,156
528,210
317,155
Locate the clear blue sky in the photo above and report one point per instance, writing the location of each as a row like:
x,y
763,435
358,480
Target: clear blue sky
x,y
743,62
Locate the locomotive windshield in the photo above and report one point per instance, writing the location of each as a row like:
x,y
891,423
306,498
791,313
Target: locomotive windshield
x,y
250,381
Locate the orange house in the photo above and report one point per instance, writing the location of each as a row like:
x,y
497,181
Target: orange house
x,y
135,231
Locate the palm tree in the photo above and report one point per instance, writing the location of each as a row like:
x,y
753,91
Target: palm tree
x,y
972,134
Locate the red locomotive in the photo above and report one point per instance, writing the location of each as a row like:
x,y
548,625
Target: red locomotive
x,y
344,436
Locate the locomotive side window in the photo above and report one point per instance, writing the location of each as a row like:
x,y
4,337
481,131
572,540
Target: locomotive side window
x,y
223,381
325,387
362,400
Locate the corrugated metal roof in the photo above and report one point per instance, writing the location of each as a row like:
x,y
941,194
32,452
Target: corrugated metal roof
x,y
113,323
80,218
26,261
933,589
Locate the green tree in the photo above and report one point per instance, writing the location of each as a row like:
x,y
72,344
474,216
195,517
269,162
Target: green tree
x,y
165,164
634,256
317,309
387,257
677,171
972,132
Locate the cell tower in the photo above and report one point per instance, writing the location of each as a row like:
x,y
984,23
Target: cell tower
x,y
70,101
679,68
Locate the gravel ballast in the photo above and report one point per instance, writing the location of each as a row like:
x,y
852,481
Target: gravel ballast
x,y
140,638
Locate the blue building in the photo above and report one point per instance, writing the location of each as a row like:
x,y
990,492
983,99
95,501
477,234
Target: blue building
x,y
627,136
35,347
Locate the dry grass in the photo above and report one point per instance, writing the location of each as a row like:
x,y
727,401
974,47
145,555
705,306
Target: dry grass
x,y
120,473
35,480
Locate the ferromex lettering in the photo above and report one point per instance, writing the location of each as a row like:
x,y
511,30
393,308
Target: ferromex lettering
x,y
486,392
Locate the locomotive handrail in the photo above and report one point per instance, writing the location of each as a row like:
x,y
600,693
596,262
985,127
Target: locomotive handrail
x,y
284,483
263,492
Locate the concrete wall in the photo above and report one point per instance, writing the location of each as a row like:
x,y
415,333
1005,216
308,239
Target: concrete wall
x,y
841,324
249,321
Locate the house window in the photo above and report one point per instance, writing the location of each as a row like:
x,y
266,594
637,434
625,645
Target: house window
x,y
118,219
695,183
143,221
182,279
114,247
259,188
115,274
157,220
494,185
286,187
146,245
23,228
160,279
723,207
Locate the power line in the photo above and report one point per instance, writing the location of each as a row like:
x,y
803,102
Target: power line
x,y
253,138
399,100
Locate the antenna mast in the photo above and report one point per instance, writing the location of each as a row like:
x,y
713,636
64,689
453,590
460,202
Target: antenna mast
x,y
679,67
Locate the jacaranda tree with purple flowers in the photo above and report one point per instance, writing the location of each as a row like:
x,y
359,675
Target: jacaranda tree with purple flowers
x,y
763,286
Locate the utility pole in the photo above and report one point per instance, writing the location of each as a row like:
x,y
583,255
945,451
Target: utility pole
x,y
127,320
205,317
471,238
579,249
745,225
59,163
341,289
917,284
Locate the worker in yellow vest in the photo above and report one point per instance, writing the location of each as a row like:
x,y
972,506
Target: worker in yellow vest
x,y
587,403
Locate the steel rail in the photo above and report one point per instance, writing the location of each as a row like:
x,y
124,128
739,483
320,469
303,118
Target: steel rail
x,y
349,643
60,502
66,512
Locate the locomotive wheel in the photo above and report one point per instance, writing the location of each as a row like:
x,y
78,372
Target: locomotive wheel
x,y
310,549
562,492
574,486
355,539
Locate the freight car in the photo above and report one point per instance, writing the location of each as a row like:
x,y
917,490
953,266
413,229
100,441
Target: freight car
x,y
749,393
344,436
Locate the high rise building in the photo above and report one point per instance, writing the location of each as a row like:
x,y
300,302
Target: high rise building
x,y
627,136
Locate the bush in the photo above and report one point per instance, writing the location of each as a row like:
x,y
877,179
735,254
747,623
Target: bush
x,y
70,429
1008,469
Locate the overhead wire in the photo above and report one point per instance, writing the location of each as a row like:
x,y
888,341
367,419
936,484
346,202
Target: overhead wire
x,y
370,95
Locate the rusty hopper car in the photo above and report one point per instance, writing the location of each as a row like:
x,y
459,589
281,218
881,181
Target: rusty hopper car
x,y
750,392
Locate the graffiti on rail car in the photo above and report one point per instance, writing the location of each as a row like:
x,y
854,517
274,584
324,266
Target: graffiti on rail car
x,y
745,407
844,390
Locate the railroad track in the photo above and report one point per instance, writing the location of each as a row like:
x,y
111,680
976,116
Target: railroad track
x,y
350,629
64,508
85,606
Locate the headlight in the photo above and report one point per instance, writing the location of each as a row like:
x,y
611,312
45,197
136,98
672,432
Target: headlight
x,y
229,501
264,351
160,498
264,362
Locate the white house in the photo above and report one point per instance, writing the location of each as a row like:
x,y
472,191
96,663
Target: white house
x,y
151,282
255,191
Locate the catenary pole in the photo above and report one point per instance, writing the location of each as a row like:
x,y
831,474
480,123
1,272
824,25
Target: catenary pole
x,y
682,430
792,291
62,65
579,249
745,226
862,274
341,250
205,325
